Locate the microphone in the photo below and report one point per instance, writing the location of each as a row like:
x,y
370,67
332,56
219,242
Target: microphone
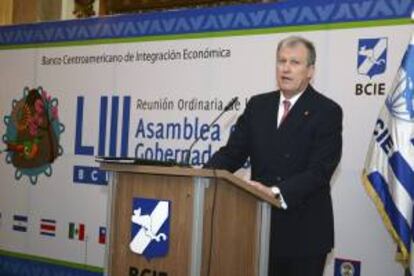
x,y
186,162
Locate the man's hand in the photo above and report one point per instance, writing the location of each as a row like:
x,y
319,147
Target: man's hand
x,y
261,187
268,190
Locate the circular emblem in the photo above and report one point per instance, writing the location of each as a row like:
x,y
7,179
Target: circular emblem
x,y
347,269
32,134
401,101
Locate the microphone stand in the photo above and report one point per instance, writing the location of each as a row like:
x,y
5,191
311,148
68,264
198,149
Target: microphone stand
x,y
186,162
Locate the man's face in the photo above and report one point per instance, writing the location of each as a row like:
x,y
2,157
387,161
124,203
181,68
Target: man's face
x,y
292,70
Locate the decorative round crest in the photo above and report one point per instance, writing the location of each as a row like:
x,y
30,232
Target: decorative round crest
x,y
401,101
32,134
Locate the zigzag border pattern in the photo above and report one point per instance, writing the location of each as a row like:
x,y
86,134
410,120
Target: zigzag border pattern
x,y
230,18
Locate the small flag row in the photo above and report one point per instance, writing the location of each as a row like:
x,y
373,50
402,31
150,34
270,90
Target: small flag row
x,y
48,227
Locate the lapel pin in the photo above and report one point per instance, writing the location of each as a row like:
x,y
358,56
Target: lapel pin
x,y
306,113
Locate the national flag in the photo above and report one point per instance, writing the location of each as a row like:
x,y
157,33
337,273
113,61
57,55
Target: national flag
x,y
76,231
389,166
347,267
20,223
102,235
48,227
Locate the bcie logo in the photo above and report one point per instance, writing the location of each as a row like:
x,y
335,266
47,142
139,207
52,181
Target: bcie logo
x,y
150,227
372,61
32,134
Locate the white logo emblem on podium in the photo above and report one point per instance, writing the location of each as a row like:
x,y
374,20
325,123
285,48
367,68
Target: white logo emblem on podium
x,y
150,227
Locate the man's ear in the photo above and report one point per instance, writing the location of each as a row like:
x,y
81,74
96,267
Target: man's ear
x,y
311,71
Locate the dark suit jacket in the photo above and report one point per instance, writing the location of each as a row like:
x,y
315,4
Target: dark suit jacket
x,y
299,157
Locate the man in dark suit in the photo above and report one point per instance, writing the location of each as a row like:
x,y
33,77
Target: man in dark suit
x,y
293,138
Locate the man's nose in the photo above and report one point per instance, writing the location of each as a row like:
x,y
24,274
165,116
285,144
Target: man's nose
x,y
286,67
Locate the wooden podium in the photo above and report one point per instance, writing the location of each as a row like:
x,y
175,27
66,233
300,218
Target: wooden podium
x,y
219,225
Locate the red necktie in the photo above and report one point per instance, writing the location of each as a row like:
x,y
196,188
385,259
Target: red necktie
x,y
286,107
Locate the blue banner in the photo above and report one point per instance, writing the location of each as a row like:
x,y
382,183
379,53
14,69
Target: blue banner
x,y
20,267
229,18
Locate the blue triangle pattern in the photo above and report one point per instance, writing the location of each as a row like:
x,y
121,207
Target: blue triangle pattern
x,y
242,17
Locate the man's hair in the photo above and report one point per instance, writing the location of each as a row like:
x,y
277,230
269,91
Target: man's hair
x,y
292,41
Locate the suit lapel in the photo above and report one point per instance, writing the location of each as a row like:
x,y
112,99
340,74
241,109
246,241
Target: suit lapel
x,y
299,113
270,108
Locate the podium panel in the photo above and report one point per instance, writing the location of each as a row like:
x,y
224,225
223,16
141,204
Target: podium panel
x,y
171,221
230,240
132,186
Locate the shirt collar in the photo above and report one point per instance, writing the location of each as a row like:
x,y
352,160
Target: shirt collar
x,y
292,100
